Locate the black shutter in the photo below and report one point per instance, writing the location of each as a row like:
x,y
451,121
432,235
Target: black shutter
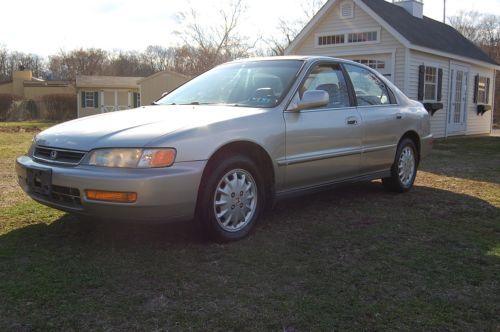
x,y
82,101
135,99
488,90
476,88
421,80
96,99
440,85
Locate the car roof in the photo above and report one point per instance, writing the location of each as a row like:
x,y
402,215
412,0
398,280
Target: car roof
x,y
293,57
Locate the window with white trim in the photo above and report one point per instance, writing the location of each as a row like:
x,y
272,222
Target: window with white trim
x,y
430,83
362,37
331,40
482,90
351,37
89,99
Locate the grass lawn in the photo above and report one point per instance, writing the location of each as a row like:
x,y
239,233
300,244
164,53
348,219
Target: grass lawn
x,y
355,258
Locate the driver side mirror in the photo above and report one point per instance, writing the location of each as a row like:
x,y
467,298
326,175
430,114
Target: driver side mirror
x,y
312,99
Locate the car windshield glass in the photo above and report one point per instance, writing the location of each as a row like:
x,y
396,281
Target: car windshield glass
x,y
248,84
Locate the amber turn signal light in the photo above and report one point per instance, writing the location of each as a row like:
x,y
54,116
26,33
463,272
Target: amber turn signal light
x,y
111,196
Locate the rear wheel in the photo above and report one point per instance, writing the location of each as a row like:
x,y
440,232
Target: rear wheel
x,y
231,199
404,169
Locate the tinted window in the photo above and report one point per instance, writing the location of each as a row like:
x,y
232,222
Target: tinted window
x,y
369,89
250,84
329,78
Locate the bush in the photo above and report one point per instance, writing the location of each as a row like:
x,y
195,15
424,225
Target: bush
x,y
59,107
6,101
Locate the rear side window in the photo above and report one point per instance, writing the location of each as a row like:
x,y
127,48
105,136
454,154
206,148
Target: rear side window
x,y
329,78
369,89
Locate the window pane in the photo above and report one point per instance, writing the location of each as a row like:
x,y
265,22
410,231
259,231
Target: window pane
x,y
328,78
369,89
430,92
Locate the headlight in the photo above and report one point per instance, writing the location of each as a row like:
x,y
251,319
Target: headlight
x,y
133,158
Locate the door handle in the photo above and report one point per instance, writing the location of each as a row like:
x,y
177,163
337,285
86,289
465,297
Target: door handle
x,y
399,116
352,121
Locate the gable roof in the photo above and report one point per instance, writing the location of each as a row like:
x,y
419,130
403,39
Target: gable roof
x,y
83,81
423,34
163,72
427,32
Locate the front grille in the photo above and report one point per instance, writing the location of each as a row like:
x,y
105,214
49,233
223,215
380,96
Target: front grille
x,y
53,155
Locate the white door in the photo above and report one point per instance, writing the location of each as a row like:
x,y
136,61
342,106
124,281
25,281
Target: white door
x,y
458,99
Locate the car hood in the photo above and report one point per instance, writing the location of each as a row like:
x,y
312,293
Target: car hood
x,y
136,127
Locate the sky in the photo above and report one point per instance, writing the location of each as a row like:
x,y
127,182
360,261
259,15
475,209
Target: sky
x,y
45,27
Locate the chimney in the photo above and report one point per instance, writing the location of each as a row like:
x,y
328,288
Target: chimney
x,y
414,7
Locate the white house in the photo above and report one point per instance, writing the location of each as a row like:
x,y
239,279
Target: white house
x,y
428,60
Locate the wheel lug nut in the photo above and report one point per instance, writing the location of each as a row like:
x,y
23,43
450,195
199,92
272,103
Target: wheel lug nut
x,y
232,194
232,207
241,205
241,193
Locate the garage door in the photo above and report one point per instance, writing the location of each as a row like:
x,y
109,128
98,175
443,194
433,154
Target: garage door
x,y
380,62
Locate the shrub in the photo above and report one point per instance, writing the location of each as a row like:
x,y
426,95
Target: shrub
x,y
6,101
59,107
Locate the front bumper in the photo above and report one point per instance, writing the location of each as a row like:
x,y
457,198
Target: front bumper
x,y
163,194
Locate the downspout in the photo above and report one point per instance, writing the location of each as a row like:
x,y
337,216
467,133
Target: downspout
x,y
450,77
492,92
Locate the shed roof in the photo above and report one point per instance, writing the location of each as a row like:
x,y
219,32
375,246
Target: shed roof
x,y
427,32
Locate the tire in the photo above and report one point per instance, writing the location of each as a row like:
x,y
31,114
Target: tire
x,y
231,200
404,168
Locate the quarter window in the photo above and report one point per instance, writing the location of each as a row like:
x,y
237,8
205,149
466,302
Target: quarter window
x,y
430,83
369,89
329,78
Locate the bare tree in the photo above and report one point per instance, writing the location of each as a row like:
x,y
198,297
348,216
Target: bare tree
x,y
287,30
208,46
67,65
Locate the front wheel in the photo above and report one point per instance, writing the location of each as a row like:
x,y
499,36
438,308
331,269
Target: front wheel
x,y
404,169
231,199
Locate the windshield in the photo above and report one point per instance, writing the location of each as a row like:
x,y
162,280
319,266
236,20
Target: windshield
x,y
250,84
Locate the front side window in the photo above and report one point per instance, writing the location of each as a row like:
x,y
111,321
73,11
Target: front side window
x,y
329,78
430,83
246,84
369,89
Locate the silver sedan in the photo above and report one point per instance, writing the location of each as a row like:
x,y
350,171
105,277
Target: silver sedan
x,y
225,145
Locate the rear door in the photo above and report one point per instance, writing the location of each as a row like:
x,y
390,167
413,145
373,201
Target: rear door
x,y
380,116
323,144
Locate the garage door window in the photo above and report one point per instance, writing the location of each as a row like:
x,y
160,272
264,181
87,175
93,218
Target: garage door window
x,y
375,64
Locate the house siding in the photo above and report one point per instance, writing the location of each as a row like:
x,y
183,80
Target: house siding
x,y
332,23
439,119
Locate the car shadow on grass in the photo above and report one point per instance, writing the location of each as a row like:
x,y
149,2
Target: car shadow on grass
x,y
413,261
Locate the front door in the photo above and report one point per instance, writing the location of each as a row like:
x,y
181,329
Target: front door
x,y
458,100
323,145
